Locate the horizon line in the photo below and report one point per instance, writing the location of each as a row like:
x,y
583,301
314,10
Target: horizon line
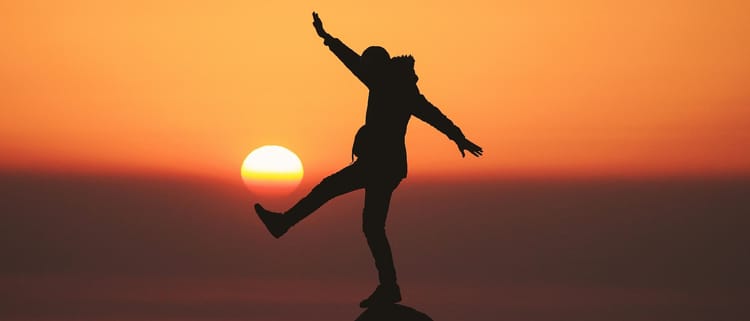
x,y
525,175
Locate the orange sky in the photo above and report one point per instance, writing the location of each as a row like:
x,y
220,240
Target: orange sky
x,y
546,87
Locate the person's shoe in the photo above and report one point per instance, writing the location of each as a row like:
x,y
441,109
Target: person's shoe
x,y
384,294
273,221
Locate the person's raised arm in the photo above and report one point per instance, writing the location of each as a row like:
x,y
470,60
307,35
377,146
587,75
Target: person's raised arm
x,y
430,114
349,57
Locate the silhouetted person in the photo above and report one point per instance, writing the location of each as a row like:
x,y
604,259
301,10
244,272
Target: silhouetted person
x,y
380,149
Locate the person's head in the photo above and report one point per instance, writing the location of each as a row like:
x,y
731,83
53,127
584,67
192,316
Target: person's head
x,y
375,58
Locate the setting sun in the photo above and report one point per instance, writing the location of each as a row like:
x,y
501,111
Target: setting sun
x,y
272,170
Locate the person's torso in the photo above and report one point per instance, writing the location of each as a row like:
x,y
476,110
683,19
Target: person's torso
x,y
381,141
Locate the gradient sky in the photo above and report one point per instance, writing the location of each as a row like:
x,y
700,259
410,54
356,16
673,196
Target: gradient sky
x,y
546,87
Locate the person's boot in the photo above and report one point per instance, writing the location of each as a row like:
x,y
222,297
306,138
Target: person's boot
x,y
384,294
274,222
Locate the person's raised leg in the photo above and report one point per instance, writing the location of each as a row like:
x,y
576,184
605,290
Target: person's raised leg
x,y
377,201
346,180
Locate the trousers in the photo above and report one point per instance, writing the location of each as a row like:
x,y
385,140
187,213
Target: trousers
x,y
378,191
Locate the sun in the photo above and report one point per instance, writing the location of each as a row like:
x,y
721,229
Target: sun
x,y
272,170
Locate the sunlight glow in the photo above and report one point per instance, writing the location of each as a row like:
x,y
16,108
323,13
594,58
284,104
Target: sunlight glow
x,y
272,169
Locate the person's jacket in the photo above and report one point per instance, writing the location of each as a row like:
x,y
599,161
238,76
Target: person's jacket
x,y
392,100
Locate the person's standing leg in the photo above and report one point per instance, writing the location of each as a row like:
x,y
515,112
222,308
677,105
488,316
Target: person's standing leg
x,y
346,180
377,201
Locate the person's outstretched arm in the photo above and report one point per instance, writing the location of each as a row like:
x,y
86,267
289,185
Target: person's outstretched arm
x,y
349,57
430,114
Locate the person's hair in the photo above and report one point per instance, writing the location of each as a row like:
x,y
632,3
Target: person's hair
x,y
375,55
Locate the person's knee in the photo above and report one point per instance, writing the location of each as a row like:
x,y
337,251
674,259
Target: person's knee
x,y
327,181
325,185
373,230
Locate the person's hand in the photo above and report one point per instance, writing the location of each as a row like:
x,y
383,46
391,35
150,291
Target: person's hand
x,y
318,24
466,145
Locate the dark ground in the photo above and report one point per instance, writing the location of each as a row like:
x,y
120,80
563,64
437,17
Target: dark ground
x,y
144,248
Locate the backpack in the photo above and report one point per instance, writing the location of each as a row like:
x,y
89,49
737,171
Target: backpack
x,y
360,142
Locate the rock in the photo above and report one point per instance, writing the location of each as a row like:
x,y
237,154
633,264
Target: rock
x,y
392,312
